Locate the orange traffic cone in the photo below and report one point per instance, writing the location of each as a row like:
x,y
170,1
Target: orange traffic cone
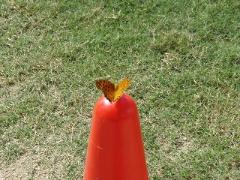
x,y
115,150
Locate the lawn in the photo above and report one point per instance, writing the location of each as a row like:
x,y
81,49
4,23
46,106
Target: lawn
x,y
183,58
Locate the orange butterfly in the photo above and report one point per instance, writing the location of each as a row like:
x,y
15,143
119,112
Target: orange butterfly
x,y
111,91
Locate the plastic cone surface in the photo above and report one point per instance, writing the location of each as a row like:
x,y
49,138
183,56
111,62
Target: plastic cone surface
x,y
115,149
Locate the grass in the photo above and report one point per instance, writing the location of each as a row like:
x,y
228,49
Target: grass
x,y
182,56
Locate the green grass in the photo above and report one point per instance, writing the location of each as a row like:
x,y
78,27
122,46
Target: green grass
x,y
182,56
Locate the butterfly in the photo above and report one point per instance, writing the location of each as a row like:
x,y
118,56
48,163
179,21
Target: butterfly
x,y
111,91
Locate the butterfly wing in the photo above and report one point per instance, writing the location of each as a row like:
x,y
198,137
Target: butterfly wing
x,y
120,88
107,88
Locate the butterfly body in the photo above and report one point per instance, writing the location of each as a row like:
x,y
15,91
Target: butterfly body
x,y
111,91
